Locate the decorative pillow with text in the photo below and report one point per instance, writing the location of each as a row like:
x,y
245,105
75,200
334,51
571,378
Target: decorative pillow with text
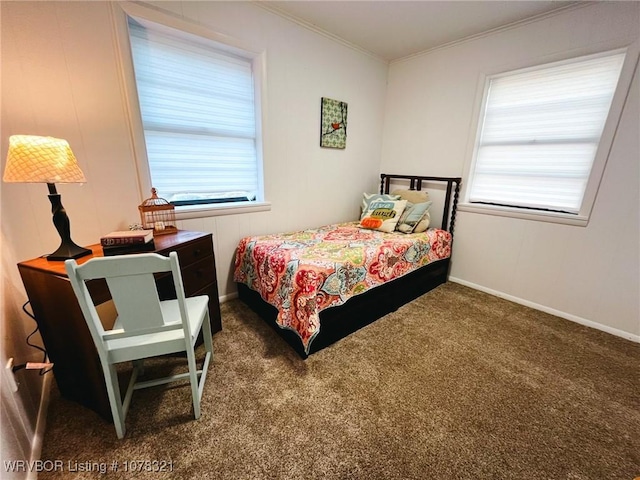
x,y
383,215
367,198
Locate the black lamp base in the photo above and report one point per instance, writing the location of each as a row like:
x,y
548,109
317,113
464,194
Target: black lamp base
x,y
69,250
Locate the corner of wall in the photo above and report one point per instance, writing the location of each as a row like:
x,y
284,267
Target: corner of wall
x,y
23,412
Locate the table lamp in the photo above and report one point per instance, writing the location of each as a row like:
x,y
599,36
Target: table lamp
x,y
34,159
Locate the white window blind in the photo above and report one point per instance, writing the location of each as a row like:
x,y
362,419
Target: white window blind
x,y
198,115
540,134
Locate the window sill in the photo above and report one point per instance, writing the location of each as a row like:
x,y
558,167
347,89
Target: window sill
x,y
215,210
536,215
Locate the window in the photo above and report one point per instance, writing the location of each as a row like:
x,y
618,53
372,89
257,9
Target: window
x,y
539,135
198,116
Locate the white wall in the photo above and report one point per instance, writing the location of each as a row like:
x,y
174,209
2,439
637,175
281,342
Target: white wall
x,y
588,274
61,77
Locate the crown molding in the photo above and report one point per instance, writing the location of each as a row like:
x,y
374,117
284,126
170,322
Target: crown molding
x,y
500,29
319,31
310,26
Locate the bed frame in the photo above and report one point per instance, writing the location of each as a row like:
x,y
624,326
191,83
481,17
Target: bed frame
x,y
361,310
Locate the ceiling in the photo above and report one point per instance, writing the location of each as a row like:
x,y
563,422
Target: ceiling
x,y
394,29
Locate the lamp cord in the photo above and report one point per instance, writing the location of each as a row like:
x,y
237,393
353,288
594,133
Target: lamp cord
x,y
28,341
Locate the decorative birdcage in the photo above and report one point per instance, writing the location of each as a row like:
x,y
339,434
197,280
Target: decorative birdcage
x,y
158,214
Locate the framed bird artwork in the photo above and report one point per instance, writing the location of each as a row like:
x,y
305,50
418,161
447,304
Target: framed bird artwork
x,y
333,129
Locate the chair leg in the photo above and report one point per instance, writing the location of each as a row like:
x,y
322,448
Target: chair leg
x,y
193,378
206,333
197,387
139,365
115,400
208,343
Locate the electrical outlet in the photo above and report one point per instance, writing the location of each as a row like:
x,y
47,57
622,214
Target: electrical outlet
x,y
10,376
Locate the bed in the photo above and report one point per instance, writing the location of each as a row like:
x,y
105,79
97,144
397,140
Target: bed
x,y
317,286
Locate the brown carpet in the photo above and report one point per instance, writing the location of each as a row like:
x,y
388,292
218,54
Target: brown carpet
x,y
456,385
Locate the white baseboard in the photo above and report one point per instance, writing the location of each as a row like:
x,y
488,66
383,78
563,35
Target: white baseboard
x,y
227,297
552,311
41,424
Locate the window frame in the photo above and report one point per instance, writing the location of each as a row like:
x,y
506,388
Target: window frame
x,y
147,15
631,50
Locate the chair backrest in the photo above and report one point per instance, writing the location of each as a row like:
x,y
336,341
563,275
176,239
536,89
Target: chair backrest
x,y
131,281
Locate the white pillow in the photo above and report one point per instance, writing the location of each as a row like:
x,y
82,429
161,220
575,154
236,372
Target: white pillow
x,y
413,196
416,196
413,214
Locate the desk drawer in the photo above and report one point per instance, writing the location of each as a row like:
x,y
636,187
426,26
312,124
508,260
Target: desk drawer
x,y
198,275
194,252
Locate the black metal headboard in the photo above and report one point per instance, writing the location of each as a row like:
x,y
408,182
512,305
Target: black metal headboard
x,y
415,183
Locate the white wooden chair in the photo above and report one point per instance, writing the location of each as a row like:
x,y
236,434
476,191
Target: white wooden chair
x,y
145,326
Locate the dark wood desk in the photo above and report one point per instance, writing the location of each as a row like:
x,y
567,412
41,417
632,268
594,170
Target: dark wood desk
x,y
63,328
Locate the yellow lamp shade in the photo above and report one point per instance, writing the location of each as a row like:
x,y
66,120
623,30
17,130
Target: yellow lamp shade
x,y
35,159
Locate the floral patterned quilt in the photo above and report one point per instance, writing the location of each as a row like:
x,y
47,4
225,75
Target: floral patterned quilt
x,y
305,272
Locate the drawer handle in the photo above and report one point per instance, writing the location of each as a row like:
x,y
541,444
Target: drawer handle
x,y
196,252
200,272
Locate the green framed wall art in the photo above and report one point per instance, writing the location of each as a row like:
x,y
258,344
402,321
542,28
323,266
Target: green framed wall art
x,y
333,133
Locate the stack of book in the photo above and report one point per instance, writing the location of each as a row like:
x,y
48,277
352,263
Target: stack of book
x,y
127,241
